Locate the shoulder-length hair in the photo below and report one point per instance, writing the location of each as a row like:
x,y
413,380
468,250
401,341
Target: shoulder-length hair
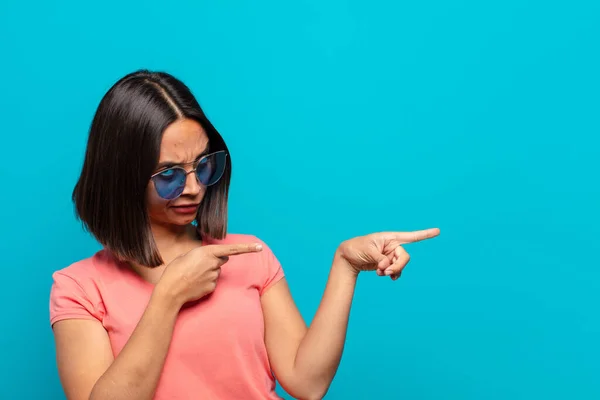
x,y
122,152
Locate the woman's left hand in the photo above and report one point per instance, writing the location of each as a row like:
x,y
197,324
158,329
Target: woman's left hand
x,y
382,252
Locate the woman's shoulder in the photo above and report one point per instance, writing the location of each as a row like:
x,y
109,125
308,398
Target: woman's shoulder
x,y
76,289
87,269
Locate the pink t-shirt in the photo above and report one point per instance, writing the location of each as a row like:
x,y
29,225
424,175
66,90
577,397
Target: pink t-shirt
x,y
218,348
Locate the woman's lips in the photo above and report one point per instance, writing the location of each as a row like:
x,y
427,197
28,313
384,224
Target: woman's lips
x,y
186,208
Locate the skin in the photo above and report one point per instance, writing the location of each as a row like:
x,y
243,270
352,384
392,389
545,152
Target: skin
x,y
304,359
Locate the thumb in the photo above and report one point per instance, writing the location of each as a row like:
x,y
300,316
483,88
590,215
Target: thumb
x,y
382,261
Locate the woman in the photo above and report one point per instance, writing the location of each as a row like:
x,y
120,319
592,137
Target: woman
x,y
173,307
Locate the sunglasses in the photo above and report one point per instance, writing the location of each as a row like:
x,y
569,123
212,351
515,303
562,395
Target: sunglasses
x,y
170,183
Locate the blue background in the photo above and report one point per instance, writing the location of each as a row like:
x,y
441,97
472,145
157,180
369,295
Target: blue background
x,y
343,118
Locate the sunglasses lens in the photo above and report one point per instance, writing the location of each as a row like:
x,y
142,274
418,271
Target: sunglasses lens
x,y
170,183
210,169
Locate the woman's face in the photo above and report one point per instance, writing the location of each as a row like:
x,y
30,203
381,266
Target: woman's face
x,y
183,143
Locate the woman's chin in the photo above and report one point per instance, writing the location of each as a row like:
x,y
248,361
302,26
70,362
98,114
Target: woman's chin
x,y
183,220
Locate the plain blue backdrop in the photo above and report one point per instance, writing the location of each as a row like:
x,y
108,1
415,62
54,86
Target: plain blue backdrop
x,y
343,118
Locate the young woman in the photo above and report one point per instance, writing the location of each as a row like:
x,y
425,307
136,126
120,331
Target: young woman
x,y
173,307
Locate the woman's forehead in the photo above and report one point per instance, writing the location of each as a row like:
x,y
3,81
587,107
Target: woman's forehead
x,y
183,141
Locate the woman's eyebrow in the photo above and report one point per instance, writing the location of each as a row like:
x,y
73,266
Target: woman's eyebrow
x,y
169,164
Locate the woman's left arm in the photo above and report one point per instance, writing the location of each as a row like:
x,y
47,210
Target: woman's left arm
x,y
303,359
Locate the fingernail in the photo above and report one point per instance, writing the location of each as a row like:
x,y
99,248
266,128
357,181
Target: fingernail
x,y
379,273
389,271
259,247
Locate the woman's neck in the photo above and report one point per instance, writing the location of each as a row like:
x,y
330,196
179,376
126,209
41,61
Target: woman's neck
x,y
174,241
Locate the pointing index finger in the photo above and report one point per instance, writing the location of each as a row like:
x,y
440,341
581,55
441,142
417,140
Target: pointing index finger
x,y
417,236
224,250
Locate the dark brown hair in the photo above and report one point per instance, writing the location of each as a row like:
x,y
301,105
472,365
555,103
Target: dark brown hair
x,y
122,152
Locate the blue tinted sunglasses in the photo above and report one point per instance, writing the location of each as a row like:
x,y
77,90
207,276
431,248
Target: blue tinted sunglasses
x,y
170,182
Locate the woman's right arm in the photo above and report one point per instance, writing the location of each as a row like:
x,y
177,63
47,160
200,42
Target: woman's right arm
x,y
85,360
86,366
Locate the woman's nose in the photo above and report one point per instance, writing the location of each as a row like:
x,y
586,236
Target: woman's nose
x,y
192,186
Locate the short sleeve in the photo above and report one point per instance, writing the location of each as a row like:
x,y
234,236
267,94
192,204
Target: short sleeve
x,y
69,300
272,267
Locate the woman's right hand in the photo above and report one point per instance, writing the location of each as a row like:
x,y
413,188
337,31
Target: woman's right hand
x,y
194,275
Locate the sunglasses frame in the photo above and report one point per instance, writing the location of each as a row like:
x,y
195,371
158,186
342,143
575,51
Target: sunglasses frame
x,y
193,170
